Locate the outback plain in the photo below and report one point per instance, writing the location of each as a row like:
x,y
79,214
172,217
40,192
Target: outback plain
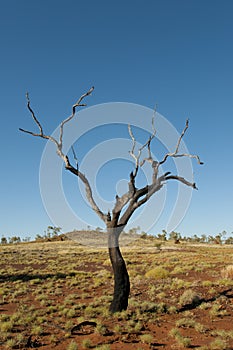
x,y
56,295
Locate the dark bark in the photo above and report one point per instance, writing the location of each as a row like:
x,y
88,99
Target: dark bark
x,y
121,277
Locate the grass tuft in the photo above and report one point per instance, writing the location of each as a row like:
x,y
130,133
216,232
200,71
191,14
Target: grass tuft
x,y
189,298
227,272
157,273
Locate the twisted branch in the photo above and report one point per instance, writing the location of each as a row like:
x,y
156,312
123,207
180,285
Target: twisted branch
x,y
137,197
122,201
175,154
77,104
146,144
64,157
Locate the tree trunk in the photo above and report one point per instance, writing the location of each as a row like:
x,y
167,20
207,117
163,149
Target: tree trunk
x,y
121,277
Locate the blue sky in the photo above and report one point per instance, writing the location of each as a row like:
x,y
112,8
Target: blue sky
x,y
176,53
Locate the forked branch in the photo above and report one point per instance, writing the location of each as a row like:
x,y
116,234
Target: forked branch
x,y
129,196
146,144
64,157
77,104
134,198
48,137
175,154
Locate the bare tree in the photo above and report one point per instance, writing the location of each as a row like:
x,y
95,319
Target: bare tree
x,y
124,206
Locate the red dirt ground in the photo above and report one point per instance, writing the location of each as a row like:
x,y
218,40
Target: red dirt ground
x,y
62,270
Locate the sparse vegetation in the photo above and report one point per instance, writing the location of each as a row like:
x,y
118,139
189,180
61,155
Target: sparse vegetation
x,y
227,272
181,340
189,298
72,346
86,343
47,291
157,273
146,338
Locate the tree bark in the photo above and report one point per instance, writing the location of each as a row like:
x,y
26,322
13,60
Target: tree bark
x,y
121,277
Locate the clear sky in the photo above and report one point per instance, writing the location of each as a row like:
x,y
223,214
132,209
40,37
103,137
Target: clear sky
x,y
176,53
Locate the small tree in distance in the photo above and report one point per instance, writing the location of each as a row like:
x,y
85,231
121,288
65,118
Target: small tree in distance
x,y
53,231
3,240
125,205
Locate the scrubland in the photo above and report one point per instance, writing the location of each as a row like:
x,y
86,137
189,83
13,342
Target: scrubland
x,y
55,295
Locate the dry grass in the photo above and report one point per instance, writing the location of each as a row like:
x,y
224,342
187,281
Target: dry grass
x,y
46,289
227,272
157,273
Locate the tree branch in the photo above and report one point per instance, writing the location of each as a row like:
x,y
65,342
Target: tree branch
x,y
122,201
64,157
175,154
33,114
181,179
77,104
41,134
141,196
136,158
89,194
146,144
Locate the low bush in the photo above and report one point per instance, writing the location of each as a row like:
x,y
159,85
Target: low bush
x,y
227,272
157,273
72,346
189,297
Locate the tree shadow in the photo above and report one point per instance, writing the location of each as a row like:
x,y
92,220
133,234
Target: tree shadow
x,y
195,304
28,277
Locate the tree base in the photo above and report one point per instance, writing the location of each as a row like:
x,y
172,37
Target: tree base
x,y
121,281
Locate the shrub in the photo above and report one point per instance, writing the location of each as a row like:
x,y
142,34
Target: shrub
x,y
117,328
217,311
146,338
70,313
36,330
103,347
72,346
182,341
157,273
138,327
86,343
185,342
149,307
189,297
10,344
6,326
185,323
101,329
227,272
207,283
218,344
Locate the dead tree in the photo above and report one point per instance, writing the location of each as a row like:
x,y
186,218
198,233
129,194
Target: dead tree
x,y
124,206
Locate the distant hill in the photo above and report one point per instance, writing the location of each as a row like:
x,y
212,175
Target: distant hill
x,y
99,239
